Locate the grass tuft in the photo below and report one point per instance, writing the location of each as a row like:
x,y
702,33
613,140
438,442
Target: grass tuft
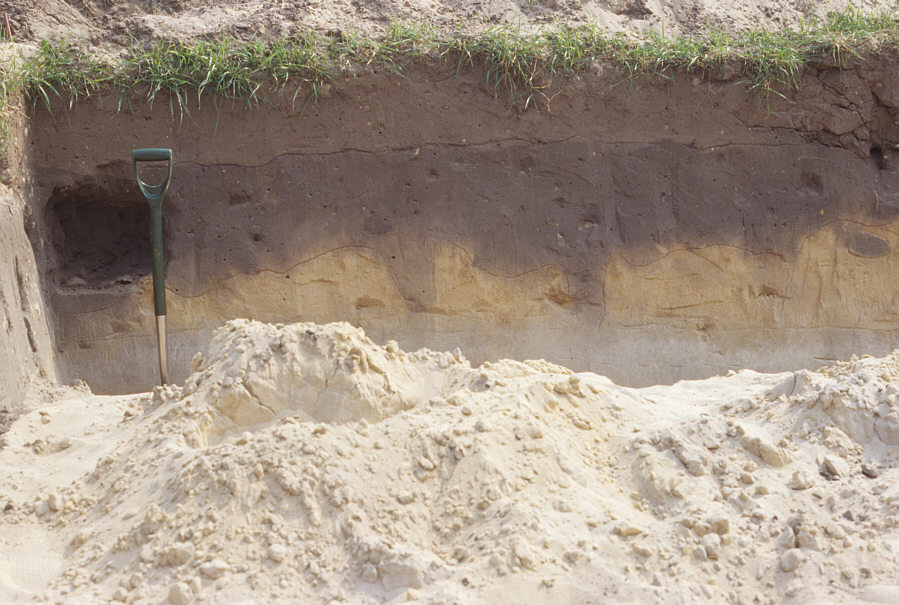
x,y
64,69
511,60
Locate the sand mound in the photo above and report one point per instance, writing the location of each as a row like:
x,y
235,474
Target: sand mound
x,y
305,463
861,397
255,372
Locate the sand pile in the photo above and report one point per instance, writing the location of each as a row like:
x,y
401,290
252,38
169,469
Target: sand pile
x,y
255,372
305,463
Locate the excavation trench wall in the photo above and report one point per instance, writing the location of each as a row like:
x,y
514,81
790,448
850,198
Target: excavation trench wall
x,y
648,231
26,351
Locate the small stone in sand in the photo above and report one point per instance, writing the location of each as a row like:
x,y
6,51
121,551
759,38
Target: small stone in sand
x,y
790,560
214,569
712,545
181,594
801,480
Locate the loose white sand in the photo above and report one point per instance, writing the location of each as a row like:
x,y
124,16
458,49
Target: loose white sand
x,y
263,19
305,464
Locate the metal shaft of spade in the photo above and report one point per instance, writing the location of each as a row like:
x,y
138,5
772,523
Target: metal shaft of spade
x,y
154,195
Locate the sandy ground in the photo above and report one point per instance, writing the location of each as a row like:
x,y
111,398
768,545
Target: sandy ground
x,y
304,463
101,21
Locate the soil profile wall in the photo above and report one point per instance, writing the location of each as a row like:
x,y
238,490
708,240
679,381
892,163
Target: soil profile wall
x,y
649,232
26,352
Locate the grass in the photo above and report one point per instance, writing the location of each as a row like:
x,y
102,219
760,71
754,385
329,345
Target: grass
x,y
63,68
520,67
9,89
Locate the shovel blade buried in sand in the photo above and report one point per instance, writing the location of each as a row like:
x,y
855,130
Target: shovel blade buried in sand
x,y
154,195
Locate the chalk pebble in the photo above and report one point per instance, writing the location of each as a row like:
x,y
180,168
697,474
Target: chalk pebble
x,y
790,560
214,569
181,594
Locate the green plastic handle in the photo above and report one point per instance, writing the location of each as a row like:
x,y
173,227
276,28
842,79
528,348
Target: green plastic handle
x,y
151,155
152,192
154,195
